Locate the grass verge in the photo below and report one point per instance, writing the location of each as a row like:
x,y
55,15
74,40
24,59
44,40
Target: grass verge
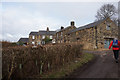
x,y
70,67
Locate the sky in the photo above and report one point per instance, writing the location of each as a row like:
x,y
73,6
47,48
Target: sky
x,y
19,18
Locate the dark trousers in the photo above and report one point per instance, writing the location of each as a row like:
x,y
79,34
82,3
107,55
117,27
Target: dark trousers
x,y
116,54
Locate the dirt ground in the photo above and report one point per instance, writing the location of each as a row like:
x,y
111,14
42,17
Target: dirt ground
x,y
103,66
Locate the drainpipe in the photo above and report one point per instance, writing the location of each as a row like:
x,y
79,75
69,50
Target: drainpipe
x,y
96,46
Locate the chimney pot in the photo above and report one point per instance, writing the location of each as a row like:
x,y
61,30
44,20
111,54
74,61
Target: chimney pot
x,y
47,28
72,23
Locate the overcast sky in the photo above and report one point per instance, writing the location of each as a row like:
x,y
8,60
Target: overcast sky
x,y
20,18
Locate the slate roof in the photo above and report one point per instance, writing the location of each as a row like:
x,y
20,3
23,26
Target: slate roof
x,y
43,33
64,29
23,40
33,33
46,32
87,26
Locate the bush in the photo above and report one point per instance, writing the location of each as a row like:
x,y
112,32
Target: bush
x,y
25,62
6,44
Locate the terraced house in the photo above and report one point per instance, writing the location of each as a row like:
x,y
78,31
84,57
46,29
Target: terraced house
x,y
96,35
38,38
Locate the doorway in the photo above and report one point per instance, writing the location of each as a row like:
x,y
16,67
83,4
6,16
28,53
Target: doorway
x,y
107,42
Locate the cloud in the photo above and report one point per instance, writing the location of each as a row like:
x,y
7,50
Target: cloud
x,y
17,22
9,35
19,19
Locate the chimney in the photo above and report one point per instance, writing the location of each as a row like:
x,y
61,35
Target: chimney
x,y
62,27
47,29
72,23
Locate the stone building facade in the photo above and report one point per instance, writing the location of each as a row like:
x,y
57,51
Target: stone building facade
x,y
61,35
96,35
37,38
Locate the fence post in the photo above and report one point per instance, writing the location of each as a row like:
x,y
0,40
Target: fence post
x,y
41,67
20,66
36,62
48,65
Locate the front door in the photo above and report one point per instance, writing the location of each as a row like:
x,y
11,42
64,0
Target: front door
x,y
107,43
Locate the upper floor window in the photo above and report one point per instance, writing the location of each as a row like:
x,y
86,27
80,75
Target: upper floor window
x,y
108,26
33,37
51,36
43,36
76,33
57,35
61,33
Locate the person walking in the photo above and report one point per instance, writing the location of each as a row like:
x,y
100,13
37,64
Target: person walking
x,y
115,47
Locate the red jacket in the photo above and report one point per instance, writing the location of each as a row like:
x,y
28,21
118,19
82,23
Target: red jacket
x,y
114,47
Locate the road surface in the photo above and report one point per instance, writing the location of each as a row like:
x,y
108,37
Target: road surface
x,y
103,66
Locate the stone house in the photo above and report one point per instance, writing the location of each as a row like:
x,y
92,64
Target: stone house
x,y
96,35
61,35
37,38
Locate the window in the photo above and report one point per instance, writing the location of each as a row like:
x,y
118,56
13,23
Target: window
x,y
33,37
57,35
51,36
43,42
33,42
39,43
43,36
76,33
53,41
108,26
78,38
61,33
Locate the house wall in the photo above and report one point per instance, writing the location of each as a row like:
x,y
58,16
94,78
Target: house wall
x,y
103,34
38,39
86,37
61,36
94,37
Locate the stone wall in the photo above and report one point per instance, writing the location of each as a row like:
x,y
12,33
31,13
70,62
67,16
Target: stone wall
x,y
61,36
104,34
85,37
36,40
94,37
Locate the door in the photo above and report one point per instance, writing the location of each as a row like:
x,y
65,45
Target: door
x,y
106,43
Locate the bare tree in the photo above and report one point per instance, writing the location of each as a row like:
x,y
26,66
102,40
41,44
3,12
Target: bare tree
x,y
107,10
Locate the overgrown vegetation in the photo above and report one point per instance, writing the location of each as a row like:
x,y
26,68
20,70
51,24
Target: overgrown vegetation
x,y
28,62
47,39
6,44
68,68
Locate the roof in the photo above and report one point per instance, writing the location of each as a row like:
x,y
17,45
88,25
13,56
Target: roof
x,y
87,26
46,32
33,33
64,29
23,40
43,33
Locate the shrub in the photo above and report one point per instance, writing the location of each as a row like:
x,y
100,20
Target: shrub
x,y
24,62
